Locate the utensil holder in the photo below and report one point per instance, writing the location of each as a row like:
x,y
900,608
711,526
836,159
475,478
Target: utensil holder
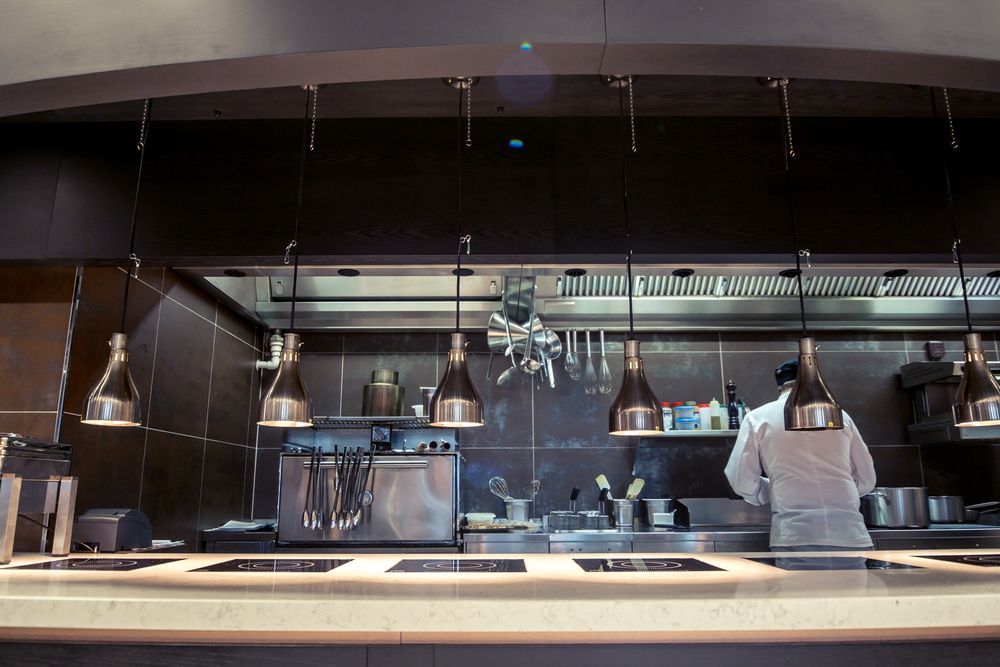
x,y
518,509
623,514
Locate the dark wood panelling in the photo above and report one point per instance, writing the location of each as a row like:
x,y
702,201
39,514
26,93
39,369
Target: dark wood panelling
x,y
171,485
222,484
386,189
108,461
36,424
35,311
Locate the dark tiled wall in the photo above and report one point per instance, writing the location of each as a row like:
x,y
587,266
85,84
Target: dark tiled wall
x,y
560,436
190,465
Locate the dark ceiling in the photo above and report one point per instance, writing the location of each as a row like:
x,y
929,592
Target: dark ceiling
x,y
562,96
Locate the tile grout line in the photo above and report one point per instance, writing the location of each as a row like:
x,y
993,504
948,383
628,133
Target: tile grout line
x,y
343,356
906,347
208,413
152,380
722,365
74,307
243,496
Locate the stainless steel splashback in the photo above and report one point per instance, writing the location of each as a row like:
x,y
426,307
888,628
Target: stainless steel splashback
x,y
415,502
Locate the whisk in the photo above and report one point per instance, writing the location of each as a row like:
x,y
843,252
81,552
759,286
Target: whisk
x,y
498,487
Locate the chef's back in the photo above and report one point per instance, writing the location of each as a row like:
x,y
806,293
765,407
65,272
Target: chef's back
x,y
813,479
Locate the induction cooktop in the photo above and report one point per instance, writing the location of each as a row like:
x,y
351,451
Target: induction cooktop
x,y
832,563
461,566
979,560
645,565
275,565
97,564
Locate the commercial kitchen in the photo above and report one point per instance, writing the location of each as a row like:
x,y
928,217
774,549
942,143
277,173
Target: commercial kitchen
x,y
428,332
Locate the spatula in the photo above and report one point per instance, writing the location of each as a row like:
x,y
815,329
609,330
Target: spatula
x,y
604,486
635,488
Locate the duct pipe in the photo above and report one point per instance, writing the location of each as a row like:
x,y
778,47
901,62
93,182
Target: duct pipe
x,y
277,345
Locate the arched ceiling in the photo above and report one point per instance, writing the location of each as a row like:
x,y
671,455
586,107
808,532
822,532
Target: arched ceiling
x,y
58,54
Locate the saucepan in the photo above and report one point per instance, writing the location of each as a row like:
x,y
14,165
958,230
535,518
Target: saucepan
x,y
896,507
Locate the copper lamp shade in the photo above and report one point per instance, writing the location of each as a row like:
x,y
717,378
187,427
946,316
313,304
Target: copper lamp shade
x,y
287,403
810,405
114,400
456,403
636,410
977,402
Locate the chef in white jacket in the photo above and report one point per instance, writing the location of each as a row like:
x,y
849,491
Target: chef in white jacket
x,y
812,479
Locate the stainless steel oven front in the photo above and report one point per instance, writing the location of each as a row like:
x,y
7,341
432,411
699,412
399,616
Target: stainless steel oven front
x,y
414,502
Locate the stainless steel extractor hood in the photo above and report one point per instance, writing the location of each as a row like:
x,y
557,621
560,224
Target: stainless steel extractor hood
x,y
714,297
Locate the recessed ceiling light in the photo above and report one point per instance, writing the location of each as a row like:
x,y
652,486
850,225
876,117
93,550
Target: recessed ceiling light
x,y
682,273
348,273
462,272
789,273
575,273
235,273
896,273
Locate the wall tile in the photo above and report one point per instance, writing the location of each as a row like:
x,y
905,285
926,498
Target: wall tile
x,y
392,343
867,386
679,469
249,473
183,368
36,424
480,465
506,409
970,471
321,373
236,325
187,294
841,341
222,484
897,466
108,462
171,485
229,404
265,496
560,469
954,344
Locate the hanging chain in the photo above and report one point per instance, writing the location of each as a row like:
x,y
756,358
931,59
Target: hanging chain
x,y
951,122
631,112
288,251
467,242
789,142
468,111
135,264
954,251
141,144
805,252
314,89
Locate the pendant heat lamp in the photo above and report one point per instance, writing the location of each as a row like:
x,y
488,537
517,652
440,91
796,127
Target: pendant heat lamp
x,y
977,401
456,403
635,411
114,400
810,406
287,403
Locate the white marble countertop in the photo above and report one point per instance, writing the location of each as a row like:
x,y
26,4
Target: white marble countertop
x,y
554,601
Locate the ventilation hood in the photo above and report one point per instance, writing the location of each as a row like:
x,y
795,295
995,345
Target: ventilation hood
x,y
714,297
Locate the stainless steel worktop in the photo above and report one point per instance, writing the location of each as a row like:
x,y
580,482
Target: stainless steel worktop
x,y
714,539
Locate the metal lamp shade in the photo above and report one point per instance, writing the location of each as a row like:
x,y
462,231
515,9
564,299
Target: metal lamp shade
x,y
810,405
114,400
636,410
456,403
977,402
287,403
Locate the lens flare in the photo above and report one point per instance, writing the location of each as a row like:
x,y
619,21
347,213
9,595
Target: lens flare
x,y
526,46
516,144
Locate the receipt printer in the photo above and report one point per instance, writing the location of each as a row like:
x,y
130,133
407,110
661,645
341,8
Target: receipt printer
x,y
113,530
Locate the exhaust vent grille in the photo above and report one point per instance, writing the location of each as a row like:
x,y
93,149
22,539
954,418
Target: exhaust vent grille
x,y
774,286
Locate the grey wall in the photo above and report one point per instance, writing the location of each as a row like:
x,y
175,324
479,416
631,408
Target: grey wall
x,y
560,436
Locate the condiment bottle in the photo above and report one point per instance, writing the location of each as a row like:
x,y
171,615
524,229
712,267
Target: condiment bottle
x,y
668,420
704,417
715,415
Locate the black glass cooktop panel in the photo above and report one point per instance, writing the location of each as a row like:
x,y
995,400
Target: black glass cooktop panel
x,y
832,563
979,560
645,565
275,565
97,564
463,565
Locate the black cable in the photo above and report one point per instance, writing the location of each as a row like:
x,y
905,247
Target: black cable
x,y
143,140
458,198
791,207
957,241
298,205
628,227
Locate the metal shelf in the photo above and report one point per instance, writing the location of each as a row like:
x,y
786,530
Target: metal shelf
x,y
724,433
367,422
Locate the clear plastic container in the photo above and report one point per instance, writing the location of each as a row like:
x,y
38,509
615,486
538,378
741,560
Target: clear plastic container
x,y
668,418
704,417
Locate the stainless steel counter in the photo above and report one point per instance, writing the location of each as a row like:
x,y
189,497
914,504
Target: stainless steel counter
x,y
701,539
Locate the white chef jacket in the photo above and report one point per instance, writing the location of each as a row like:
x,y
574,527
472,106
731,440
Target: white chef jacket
x,y
812,479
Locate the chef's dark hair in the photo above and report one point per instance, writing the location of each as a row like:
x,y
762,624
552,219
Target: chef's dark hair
x,y
787,371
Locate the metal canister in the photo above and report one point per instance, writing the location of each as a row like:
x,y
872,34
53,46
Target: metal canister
x,y
383,397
